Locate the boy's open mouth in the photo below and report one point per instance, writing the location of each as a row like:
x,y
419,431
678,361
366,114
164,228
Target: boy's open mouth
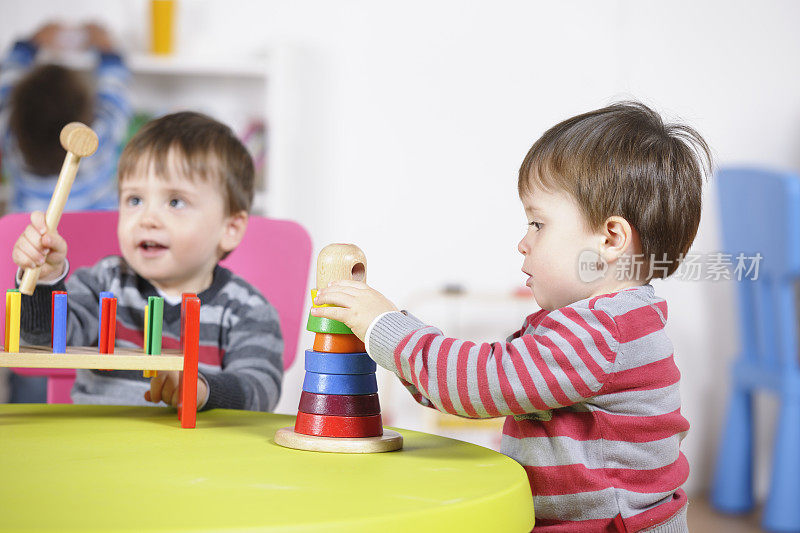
x,y
151,246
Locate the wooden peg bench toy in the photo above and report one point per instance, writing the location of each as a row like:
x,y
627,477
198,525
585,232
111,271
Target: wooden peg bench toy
x,y
106,357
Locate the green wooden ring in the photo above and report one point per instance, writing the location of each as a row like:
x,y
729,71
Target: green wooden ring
x,y
317,324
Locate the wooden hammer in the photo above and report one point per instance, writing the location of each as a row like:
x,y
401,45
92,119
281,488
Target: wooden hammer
x,y
79,141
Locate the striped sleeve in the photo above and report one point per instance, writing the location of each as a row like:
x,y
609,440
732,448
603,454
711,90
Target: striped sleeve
x,y
566,360
531,320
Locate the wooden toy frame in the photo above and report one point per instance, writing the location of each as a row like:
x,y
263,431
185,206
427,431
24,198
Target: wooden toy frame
x,y
130,359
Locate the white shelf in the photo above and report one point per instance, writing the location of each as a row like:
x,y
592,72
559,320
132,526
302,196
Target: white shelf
x,y
234,90
174,65
197,66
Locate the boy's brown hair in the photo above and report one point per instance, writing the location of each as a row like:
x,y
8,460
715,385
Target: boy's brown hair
x,y
204,148
45,100
623,160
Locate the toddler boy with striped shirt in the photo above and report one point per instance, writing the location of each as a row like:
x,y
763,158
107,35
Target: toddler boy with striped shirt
x,y
588,384
185,186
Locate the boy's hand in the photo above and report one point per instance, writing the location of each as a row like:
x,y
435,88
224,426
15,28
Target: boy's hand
x,y
357,305
164,388
38,247
47,35
98,37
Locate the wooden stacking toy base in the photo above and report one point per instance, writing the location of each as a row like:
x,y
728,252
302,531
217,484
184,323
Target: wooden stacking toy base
x,y
388,442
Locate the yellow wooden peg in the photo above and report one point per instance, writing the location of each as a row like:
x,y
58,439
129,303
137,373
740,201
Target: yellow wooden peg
x,y
8,319
13,327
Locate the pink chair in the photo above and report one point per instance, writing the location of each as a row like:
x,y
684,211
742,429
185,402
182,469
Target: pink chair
x,y
274,256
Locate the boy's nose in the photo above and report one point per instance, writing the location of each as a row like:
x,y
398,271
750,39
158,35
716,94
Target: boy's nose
x,y
522,246
149,218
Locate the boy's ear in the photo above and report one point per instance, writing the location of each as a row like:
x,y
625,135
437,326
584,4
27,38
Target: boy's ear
x,y
617,237
235,226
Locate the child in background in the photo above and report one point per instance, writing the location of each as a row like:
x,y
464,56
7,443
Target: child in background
x,y
186,187
37,101
589,384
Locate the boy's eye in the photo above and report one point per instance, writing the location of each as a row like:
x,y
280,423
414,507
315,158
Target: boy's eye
x,y
177,203
536,225
133,201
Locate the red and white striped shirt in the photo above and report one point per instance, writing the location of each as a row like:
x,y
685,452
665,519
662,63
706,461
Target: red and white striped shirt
x,y
591,395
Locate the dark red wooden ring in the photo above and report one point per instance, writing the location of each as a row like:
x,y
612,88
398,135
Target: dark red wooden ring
x,y
338,426
339,404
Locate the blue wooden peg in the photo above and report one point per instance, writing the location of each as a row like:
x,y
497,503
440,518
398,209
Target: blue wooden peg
x,y
59,323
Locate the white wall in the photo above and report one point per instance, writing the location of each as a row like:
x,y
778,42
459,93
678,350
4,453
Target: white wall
x,y
410,121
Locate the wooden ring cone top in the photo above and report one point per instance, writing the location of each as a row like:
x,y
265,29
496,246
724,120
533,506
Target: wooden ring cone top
x,y
338,262
79,141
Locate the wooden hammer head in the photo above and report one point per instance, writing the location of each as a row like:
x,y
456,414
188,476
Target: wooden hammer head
x,y
79,139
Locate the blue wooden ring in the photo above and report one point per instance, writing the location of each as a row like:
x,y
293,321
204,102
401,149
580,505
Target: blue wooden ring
x,y
339,363
340,383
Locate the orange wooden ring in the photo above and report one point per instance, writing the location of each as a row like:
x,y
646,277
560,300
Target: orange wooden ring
x,y
338,343
338,426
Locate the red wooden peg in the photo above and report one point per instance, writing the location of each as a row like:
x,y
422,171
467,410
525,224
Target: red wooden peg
x,y
110,312
102,343
184,296
190,340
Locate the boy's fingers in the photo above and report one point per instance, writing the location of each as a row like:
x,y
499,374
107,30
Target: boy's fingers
x,y
337,298
54,242
21,259
348,283
333,290
167,391
156,384
333,313
33,236
32,249
38,222
27,251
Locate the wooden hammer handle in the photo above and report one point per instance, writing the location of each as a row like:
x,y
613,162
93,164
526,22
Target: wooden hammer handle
x,y
53,214
79,141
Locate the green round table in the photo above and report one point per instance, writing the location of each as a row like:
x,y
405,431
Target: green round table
x,y
109,468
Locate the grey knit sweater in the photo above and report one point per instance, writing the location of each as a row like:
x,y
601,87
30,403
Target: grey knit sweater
x,y
240,337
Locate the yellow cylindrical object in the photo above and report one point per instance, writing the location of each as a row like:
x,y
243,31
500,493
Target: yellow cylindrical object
x,y
12,320
162,13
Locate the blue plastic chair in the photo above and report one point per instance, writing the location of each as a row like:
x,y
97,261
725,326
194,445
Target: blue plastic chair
x,y
761,214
